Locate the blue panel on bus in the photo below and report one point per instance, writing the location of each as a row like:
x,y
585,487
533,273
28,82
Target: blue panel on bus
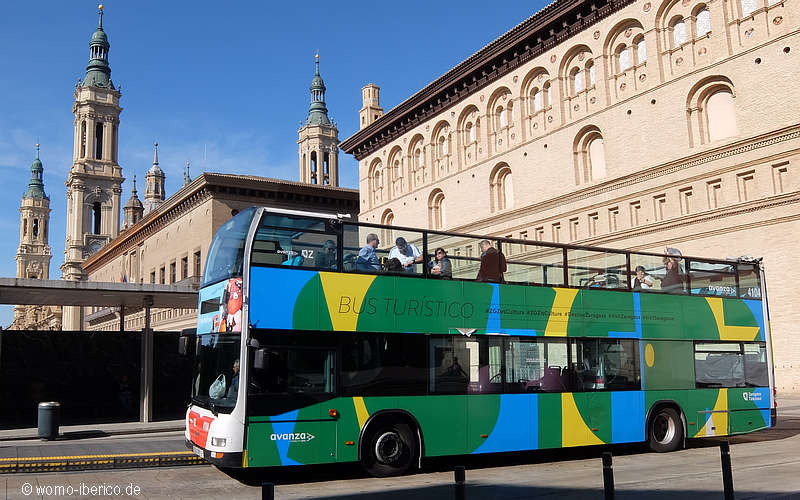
x,y
627,417
517,426
757,308
281,430
273,296
637,321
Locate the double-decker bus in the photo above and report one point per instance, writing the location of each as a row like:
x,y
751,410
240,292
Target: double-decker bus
x,y
307,354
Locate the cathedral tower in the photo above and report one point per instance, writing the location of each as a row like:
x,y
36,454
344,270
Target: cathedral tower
x,y
154,185
94,183
318,140
33,255
133,210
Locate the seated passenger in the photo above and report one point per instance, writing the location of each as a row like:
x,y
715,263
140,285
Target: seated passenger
x,y
642,280
407,253
326,257
367,260
440,265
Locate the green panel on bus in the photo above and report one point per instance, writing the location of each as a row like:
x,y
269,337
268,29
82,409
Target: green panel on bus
x,y
668,364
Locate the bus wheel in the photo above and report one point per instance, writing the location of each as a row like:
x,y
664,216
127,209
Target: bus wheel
x,y
389,449
665,430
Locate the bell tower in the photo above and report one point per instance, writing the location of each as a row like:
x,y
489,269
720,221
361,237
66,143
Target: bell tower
x,y
94,183
318,139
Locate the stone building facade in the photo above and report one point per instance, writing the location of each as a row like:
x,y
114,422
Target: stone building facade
x,y
626,124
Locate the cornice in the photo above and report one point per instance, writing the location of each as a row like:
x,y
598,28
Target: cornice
x,y
551,26
735,148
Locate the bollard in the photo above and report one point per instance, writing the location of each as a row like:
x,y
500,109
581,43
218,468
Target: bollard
x,y
727,474
267,491
608,476
460,478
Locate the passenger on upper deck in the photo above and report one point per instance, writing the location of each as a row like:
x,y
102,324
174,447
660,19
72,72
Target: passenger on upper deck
x,y
326,257
407,253
493,263
672,280
642,280
367,260
440,265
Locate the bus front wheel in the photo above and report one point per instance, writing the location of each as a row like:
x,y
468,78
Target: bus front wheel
x,y
389,449
665,430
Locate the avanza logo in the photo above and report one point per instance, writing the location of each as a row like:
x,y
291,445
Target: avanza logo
x,y
293,437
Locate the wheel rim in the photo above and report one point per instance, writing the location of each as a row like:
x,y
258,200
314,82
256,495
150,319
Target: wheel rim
x,y
388,448
664,428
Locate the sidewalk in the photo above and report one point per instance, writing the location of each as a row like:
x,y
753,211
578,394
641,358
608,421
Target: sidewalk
x,y
96,430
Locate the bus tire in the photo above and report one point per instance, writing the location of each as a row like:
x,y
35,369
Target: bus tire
x,y
390,449
665,430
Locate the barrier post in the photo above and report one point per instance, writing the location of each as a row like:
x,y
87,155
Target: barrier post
x,y
608,476
267,491
727,473
460,486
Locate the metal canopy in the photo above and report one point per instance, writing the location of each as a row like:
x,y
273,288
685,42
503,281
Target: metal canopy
x,y
19,291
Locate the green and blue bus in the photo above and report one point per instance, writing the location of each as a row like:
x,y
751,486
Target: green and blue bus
x,y
305,356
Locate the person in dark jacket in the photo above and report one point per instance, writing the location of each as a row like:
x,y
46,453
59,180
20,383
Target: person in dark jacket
x,y
493,263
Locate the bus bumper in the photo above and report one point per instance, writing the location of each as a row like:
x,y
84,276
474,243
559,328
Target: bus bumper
x,y
215,457
773,413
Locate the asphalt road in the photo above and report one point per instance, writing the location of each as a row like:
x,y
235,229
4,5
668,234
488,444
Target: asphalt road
x,y
765,465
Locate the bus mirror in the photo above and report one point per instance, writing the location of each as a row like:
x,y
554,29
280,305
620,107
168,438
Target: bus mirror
x,y
183,345
261,359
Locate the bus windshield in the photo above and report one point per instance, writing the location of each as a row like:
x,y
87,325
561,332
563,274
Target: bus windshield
x,y
215,377
226,254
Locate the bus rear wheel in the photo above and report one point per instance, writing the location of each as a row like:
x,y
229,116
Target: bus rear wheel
x,y
665,432
389,449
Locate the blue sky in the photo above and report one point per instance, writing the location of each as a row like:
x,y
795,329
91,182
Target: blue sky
x,y
224,85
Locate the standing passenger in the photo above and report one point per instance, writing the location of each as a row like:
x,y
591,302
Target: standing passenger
x,y
493,263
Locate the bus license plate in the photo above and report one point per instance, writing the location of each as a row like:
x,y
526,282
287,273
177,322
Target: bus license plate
x,y
198,451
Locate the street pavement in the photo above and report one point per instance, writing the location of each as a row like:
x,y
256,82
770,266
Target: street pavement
x,y
765,465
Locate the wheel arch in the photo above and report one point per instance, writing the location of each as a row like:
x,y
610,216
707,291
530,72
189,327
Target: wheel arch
x,y
396,414
662,403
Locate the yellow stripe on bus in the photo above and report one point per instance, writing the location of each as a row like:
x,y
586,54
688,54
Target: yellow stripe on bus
x,y
559,314
361,411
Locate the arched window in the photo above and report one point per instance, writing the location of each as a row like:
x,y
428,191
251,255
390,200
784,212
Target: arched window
x,y
546,92
589,154
678,32
501,189
537,97
597,158
641,49
419,162
623,58
501,117
748,7
577,80
590,70
97,217
703,22
721,115
24,227
376,182
35,228
83,139
470,133
436,217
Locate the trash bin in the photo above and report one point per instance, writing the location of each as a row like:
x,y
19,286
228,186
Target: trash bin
x,y
49,414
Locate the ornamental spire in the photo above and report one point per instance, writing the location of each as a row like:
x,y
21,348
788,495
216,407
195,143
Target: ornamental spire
x,y
317,111
98,72
36,184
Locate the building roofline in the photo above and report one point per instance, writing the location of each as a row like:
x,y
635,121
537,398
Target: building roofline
x,y
545,29
202,183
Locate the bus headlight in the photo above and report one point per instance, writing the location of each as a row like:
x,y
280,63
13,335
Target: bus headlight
x,y
218,442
